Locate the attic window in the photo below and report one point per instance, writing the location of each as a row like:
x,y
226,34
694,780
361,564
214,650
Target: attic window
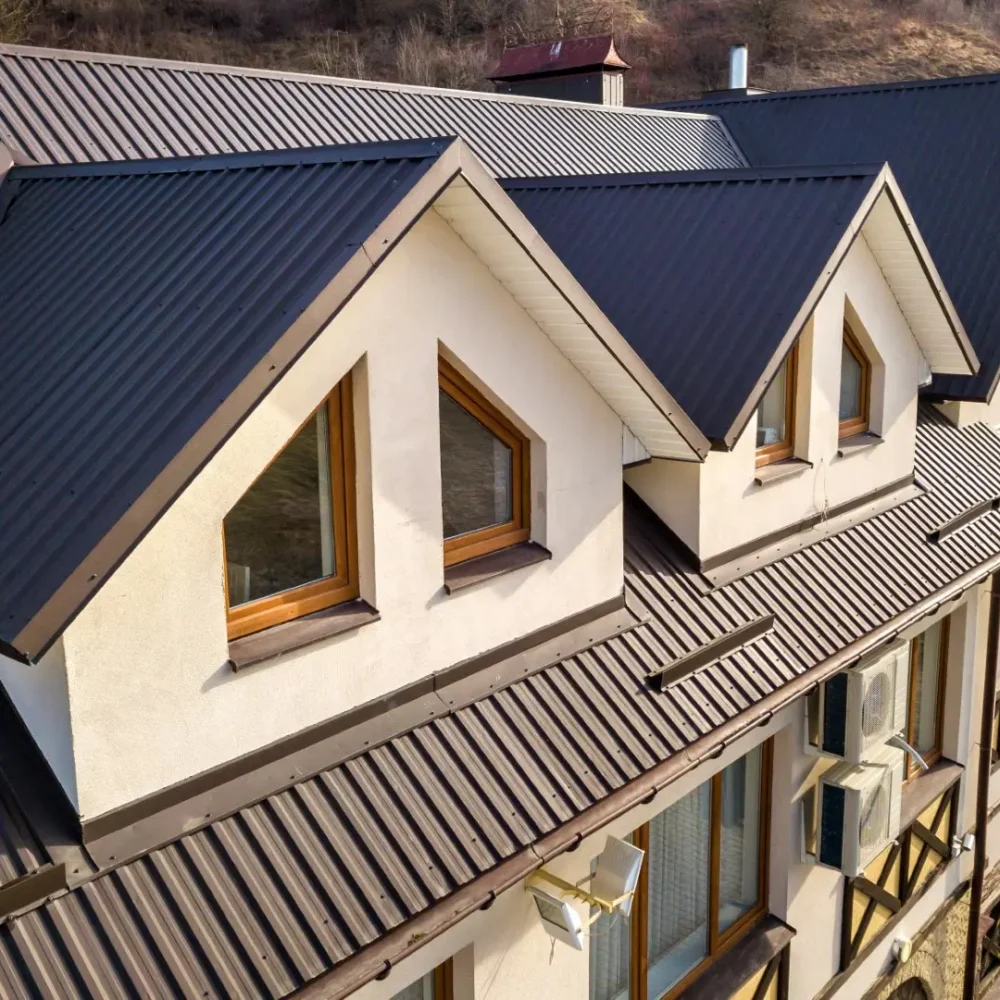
x,y
290,540
855,387
484,473
776,414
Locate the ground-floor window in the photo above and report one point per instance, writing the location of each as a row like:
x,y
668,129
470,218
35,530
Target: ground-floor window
x,y
702,886
436,985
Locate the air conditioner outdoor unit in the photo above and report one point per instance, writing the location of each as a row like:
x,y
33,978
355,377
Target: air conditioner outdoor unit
x,y
859,811
853,713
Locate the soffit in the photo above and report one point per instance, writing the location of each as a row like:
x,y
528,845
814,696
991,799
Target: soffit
x,y
509,261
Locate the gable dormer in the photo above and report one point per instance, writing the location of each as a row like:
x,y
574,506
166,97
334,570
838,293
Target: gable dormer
x,y
331,429
792,313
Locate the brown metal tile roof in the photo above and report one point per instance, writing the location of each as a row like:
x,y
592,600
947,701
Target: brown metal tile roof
x,y
263,901
558,57
73,107
21,850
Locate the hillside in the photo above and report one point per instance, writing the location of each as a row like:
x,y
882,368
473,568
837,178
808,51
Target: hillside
x,y
677,47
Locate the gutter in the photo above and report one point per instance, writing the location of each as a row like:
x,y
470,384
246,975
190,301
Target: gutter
x,y
972,943
377,959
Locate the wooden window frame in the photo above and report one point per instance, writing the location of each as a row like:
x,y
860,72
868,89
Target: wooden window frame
x,y
444,981
913,769
718,944
860,423
276,609
785,448
518,529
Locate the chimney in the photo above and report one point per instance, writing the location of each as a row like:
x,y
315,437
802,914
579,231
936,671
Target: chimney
x,y
576,69
739,85
738,67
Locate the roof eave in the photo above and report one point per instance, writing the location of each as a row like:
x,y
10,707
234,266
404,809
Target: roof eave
x,y
642,378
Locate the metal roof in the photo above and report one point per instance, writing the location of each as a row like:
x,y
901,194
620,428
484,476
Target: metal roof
x,y
942,140
58,106
558,57
710,276
281,892
137,298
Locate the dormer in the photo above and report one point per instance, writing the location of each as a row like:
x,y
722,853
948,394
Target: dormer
x,y
330,422
792,313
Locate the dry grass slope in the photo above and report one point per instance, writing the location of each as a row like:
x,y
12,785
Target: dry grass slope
x,y
677,47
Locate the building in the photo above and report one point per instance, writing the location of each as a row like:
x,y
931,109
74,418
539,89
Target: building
x,y
403,492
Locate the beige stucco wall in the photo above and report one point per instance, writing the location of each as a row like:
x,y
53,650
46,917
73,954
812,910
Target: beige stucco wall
x,y
717,506
152,698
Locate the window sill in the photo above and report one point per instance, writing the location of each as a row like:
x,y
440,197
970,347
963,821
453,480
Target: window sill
x,y
858,443
921,791
249,650
743,961
767,474
493,564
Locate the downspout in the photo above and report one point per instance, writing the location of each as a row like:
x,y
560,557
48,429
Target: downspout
x,y
972,943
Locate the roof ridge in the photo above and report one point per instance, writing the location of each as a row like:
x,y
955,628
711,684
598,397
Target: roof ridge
x,y
932,83
675,178
390,149
293,76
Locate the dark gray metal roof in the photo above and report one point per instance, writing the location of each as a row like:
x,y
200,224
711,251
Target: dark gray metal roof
x,y
136,298
258,903
58,106
702,273
942,140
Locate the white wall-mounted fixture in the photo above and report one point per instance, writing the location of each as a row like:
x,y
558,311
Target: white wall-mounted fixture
x,y
612,888
962,845
559,917
924,374
902,949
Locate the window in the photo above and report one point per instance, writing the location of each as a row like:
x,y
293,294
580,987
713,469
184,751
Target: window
x,y
855,386
776,414
290,540
702,886
928,659
484,473
436,985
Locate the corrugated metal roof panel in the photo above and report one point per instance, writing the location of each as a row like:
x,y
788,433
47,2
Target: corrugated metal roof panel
x,y
259,902
942,140
703,275
164,325
21,849
61,107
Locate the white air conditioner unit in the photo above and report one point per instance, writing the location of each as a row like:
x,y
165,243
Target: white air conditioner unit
x,y
852,714
859,808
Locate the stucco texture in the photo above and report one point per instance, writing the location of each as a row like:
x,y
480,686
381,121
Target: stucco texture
x,y
146,661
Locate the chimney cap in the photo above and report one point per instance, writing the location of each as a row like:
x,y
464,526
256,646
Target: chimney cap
x,y
543,58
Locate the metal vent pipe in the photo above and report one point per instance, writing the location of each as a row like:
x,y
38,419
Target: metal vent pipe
x,y
738,67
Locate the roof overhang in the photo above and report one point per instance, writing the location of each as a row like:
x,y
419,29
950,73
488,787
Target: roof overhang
x,y
462,191
885,222
486,218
